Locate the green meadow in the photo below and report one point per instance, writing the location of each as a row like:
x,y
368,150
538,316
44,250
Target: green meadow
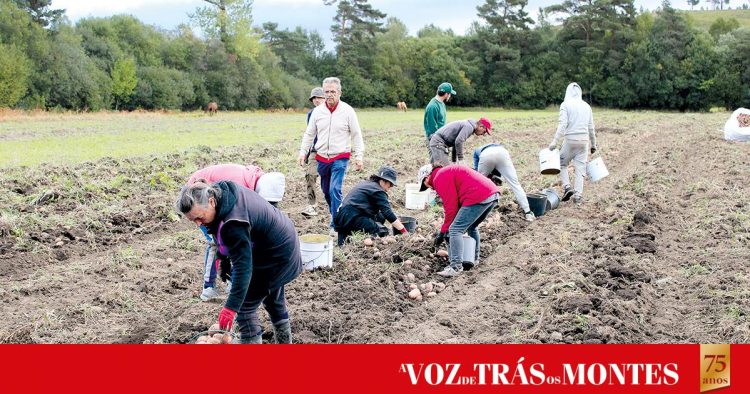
x,y
33,139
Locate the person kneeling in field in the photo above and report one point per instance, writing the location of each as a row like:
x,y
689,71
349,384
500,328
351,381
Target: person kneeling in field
x,y
493,161
262,247
270,186
366,207
468,197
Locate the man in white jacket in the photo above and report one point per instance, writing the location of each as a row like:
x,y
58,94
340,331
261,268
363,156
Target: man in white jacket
x,y
338,139
576,124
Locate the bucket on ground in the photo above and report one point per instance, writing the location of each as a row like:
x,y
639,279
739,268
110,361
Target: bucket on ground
x,y
469,251
596,169
409,222
553,199
414,198
537,203
317,251
549,161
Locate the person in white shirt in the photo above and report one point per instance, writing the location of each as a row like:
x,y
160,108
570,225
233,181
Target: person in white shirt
x,y
339,137
576,124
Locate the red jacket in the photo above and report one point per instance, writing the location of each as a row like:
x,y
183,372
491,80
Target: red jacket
x,y
459,186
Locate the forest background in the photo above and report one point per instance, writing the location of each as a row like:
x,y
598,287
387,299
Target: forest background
x,y
623,58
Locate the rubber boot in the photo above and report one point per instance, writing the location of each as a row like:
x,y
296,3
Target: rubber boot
x,y
253,340
282,331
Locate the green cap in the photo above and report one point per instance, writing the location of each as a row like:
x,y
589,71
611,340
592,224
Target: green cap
x,y
446,87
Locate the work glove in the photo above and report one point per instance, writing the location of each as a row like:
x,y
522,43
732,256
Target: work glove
x,y
226,318
439,239
552,146
225,268
593,149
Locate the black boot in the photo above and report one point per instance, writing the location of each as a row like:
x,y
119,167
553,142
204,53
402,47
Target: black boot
x,y
282,331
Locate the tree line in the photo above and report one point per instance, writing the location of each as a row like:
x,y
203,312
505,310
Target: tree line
x,y
622,58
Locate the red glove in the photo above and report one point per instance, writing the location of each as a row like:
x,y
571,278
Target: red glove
x,y
226,318
404,230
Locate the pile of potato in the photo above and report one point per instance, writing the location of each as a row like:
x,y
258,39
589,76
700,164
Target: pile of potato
x,y
418,291
214,337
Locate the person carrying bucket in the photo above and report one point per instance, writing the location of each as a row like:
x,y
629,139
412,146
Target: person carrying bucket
x,y
454,135
493,161
468,198
262,247
366,207
576,124
270,186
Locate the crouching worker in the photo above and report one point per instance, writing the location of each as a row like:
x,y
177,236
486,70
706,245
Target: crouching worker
x,y
453,136
366,207
270,186
262,247
493,161
468,197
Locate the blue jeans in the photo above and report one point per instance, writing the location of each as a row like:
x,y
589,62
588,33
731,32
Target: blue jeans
x,y
467,220
209,264
247,317
331,181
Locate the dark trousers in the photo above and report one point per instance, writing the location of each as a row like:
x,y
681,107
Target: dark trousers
x,y
247,318
347,225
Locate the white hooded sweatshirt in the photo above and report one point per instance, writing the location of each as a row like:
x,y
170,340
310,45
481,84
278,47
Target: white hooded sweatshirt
x,y
576,122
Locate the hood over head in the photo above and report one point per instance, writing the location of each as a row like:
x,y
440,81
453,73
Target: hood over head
x,y
573,92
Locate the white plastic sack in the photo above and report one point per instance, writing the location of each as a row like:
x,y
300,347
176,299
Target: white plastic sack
x,y
271,186
732,129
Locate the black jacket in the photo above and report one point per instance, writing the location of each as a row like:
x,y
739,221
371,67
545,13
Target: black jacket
x,y
260,240
366,199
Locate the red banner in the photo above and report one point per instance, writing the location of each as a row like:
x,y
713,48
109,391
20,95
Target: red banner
x,y
374,368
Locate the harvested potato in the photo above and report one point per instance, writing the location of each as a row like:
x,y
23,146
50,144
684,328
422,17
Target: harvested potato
x,y
410,277
412,286
408,262
214,341
214,327
439,286
431,294
368,242
442,253
414,294
428,287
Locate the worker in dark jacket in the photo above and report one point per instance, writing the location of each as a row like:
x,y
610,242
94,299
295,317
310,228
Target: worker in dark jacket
x,y
261,244
366,207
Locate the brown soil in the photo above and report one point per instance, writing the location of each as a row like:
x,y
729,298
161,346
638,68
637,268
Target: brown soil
x,y
658,251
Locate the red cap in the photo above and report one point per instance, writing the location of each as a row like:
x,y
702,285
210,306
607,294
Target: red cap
x,y
487,125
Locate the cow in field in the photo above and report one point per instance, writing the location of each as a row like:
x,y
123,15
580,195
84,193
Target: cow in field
x,y
212,108
401,106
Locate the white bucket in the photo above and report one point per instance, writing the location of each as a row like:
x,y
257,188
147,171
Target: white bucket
x,y
596,169
317,251
414,198
470,248
549,161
